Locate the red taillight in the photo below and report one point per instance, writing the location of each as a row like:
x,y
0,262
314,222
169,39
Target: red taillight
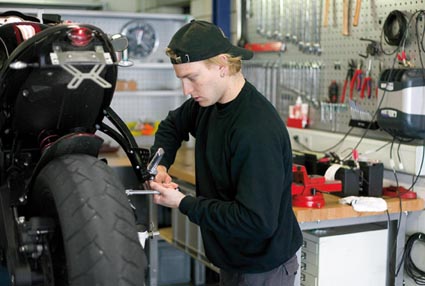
x,y
80,36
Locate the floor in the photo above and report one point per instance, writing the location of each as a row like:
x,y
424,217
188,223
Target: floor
x,y
4,280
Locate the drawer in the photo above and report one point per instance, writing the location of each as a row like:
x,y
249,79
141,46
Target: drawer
x,y
309,268
310,257
310,246
308,280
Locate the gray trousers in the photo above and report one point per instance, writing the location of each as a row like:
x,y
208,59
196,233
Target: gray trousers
x,y
283,275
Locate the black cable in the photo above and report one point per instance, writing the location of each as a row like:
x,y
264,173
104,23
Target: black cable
x,y
394,28
410,267
297,140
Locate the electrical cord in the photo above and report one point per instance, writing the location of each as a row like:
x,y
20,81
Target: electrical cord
x,y
410,267
394,28
297,140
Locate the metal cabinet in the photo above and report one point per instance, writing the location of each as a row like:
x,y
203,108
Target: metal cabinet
x,y
349,255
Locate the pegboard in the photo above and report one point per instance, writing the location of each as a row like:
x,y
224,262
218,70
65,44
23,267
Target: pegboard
x,y
284,20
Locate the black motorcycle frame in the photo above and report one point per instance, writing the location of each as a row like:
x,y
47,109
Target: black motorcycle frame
x,y
42,117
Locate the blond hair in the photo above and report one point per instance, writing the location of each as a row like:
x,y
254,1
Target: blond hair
x,y
234,63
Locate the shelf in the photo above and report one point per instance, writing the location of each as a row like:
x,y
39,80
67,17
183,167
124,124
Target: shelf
x,y
137,64
148,93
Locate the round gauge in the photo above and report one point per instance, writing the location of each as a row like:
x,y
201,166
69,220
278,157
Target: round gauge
x,y
142,40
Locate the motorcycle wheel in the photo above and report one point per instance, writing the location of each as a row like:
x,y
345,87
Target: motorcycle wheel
x,y
96,241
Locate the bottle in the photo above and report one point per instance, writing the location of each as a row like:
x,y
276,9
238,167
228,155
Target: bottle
x,y
297,108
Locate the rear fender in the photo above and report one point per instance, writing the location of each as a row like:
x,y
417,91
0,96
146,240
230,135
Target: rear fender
x,y
75,143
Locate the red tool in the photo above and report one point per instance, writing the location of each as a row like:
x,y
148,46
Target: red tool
x,y
266,47
393,191
367,82
357,79
348,77
307,189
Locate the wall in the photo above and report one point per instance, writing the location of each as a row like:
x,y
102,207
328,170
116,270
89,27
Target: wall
x,y
336,50
295,71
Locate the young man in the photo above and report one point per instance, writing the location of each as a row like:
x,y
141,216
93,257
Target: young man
x,y
243,162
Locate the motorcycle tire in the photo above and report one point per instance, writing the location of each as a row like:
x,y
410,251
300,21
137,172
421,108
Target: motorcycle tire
x,y
97,243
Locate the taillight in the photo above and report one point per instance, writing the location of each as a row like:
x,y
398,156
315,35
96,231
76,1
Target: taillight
x,y
80,36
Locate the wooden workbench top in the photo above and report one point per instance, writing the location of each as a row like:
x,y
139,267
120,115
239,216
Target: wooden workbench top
x,y
183,169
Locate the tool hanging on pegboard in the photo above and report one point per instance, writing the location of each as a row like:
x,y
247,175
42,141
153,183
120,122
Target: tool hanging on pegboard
x,y
302,25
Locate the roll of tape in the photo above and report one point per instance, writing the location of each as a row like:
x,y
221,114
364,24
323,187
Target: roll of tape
x,y
331,171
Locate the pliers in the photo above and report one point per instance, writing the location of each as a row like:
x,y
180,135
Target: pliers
x,y
357,79
348,77
367,82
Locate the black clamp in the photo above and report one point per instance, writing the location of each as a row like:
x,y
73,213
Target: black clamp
x,y
372,48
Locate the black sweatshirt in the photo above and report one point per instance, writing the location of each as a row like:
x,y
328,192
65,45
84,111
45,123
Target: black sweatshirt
x,y
243,180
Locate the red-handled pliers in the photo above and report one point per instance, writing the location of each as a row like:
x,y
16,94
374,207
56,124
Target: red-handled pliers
x,y
348,77
367,82
357,79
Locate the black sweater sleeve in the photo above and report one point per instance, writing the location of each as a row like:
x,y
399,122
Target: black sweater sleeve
x,y
174,129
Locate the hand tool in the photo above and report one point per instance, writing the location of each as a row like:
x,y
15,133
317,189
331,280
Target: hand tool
x,y
345,9
300,25
348,77
367,82
152,170
372,49
261,19
326,13
307,189
288,20
357,13
317,19
243,40
279,30
294,22
357,79
307,47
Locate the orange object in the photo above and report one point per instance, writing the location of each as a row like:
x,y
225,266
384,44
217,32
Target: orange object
x,y
147,129
357,13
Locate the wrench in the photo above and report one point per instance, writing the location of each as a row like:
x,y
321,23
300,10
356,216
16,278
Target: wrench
x,y
260,25
269,19
294,22
307,48
317,20
279,28
300,28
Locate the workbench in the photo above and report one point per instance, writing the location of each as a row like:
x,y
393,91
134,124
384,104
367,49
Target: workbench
x,y
333,214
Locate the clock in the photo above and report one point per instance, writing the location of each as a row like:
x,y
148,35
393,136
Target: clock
x,y
142,39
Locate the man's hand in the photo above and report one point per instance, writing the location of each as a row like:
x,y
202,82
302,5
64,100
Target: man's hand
x,y
162,175
170,195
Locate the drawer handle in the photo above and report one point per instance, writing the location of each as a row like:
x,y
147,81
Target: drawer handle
x,y
303,255
302,277
304,243
303,266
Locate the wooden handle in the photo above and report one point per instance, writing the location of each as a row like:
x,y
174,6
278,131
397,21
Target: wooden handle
x,y
346,4
326,13
357,13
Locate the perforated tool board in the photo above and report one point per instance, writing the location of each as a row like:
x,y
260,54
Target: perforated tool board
x,y
273,72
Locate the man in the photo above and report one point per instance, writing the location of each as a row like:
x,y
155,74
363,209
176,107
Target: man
x,y
243,162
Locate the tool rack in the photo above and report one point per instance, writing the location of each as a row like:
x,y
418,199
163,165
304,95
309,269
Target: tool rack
x,y
317,49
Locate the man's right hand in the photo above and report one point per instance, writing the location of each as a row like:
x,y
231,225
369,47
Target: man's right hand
x,y
162,175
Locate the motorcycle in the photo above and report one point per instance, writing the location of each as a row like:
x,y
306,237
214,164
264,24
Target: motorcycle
x,y
65,218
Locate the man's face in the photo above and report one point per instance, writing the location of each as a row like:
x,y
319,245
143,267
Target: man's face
x,y
202,82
